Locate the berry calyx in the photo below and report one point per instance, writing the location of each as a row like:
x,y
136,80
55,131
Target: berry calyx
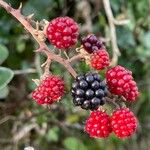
x,y
91,43
120,82
62,32
88,91
50,89
123,122
99,59
98,124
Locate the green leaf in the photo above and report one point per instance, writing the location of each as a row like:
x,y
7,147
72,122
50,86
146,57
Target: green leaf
x,y
20,44
125,38
40,119
146,40
52,134
38,7
6,75
4,92
72,143
3,53
72,118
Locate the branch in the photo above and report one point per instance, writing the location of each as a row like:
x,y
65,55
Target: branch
x,y
112,22
25,71
120,22
76,57
42,46
3,120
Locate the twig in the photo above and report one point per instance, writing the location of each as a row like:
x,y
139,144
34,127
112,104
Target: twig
x,y
113,37
24,131
22,19
48,62
84,10
25,71
6,141
120,22
38,64
76,57
3,120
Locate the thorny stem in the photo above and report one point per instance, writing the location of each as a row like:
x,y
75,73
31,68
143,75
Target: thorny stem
x,y
48,62
51,55
42,46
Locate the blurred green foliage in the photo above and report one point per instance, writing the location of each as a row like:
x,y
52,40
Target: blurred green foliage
x,y
17,46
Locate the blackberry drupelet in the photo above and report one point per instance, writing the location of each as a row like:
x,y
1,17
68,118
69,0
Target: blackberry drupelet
x,y
88,91
91,43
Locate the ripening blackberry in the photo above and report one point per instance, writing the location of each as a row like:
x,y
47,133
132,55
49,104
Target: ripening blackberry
x,y
62,32
120,82
91,43
123,122
88,91
50,90
98,124
99,59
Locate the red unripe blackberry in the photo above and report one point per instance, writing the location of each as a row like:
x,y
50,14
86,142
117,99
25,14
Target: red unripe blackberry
x,y
88,91
120,82
91,43
123,122
50,89
98,124
99,59
62,32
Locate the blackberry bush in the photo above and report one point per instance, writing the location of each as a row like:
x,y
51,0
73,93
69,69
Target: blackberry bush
x,y
89,90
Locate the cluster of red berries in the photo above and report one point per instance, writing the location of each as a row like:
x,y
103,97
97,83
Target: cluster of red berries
x,y
122,122
88,90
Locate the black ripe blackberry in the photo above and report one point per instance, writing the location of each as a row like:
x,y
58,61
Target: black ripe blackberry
x,y
91,43
88,91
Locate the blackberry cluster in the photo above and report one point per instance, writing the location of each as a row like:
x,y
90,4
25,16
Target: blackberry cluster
x,y
91,43
88,91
